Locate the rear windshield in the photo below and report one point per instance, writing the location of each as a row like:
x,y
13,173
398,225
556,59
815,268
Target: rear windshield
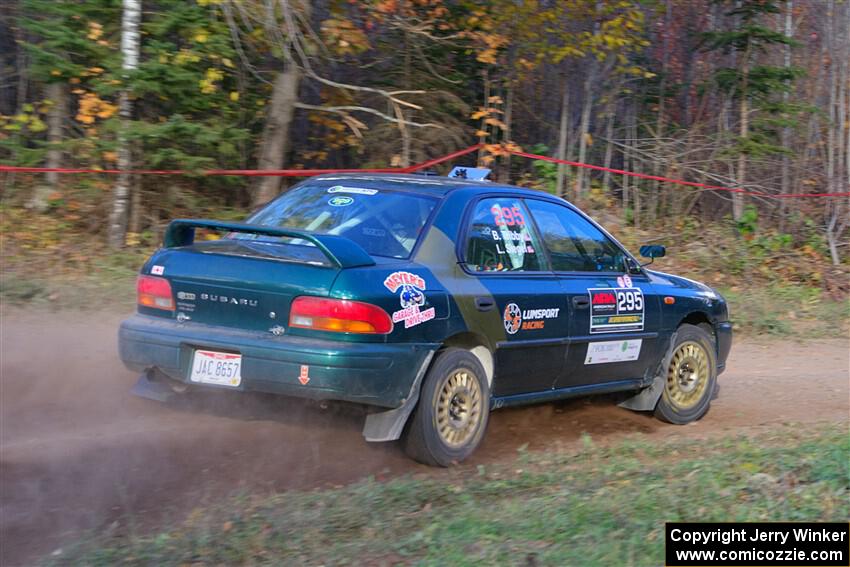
x,y
384,223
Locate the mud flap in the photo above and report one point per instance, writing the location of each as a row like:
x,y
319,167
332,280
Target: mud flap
x,y
152,389
647,399
388,425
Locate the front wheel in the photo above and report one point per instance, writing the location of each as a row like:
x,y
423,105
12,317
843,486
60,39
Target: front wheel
x,y
690,379
452,413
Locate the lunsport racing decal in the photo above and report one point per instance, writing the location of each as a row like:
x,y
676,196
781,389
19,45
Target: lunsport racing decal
x,y
411,290
515,319
616,310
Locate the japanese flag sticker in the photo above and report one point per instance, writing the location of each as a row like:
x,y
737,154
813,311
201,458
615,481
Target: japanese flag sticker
x,y
158,270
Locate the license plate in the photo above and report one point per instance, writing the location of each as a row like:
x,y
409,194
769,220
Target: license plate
x,y
220,368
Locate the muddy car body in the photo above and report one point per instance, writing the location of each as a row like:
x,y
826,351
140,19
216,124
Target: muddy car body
x,y
429,300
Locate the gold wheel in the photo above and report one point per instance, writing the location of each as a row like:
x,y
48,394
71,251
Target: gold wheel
x,y
458,408
688,375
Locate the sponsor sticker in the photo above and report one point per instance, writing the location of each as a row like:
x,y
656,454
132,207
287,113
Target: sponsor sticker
x,y
516,319
304,377
397,279
411,295
353,190
158,270
616,310
412,316
612,351
340,201
624,281
512,318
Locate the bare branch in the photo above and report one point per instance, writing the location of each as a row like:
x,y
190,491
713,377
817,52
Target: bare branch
x,y
352,108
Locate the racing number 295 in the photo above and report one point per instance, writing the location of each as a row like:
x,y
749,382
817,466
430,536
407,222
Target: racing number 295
x,y
629,301
504,216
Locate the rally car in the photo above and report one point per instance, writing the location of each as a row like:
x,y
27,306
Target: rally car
x,y
431,301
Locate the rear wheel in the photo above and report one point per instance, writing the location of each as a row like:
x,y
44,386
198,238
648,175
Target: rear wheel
x,y
691,377
451,416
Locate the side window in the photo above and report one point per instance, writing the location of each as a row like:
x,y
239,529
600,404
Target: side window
x,y
500,238
574,244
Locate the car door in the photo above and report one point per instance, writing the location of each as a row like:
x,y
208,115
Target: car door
x,y
614,316
503,252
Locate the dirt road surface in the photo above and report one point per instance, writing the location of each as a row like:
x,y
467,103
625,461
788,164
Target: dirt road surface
x,y
78,452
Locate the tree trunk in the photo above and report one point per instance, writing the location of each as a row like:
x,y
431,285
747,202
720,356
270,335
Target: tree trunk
x,y
505,176
738,198
786,131
135,223
633,166
55,92
581,185
275,143
627,144
743,133
484,127
609,146
405,115
560,185
55,129
131,16
655,186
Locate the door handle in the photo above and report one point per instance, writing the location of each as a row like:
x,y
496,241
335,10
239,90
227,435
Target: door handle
x,y
484,304
581,302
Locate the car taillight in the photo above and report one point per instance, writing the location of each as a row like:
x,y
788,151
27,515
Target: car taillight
x,y
338,315
154,292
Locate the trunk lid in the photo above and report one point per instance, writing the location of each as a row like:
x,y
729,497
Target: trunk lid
x,y
243,282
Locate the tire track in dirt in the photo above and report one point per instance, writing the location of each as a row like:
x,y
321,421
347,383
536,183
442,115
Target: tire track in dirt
x,y
79,452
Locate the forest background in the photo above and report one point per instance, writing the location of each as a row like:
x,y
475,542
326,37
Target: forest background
x,y
750,94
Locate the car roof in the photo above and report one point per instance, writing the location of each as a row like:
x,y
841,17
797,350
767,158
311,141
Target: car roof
x,y
427,184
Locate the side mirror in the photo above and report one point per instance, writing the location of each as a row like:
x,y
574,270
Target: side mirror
x,y
653,251
632,267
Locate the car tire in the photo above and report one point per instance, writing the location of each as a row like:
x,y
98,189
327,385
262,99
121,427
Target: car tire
x,y
690,378
451,416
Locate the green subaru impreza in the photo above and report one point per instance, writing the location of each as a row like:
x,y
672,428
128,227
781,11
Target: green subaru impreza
x,y
431,301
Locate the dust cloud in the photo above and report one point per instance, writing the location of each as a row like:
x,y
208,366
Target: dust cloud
x,y
78,452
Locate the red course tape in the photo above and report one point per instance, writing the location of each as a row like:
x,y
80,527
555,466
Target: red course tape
x,y
413,168
677,181
245,172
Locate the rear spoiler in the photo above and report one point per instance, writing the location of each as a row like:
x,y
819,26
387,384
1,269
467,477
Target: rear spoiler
x,y
342,252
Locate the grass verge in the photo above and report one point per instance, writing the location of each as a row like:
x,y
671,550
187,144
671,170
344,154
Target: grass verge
x,y
596,506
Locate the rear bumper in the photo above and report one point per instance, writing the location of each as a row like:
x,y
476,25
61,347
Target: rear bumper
x,y
377,374
724,343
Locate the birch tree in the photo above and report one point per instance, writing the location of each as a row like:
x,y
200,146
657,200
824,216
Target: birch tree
x,y
131,16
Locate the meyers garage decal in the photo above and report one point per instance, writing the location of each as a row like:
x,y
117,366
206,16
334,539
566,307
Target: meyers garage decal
x,y
411,290
616,310
515,319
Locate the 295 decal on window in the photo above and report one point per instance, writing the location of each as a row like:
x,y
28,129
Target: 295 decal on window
x,y
614,310
507,216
